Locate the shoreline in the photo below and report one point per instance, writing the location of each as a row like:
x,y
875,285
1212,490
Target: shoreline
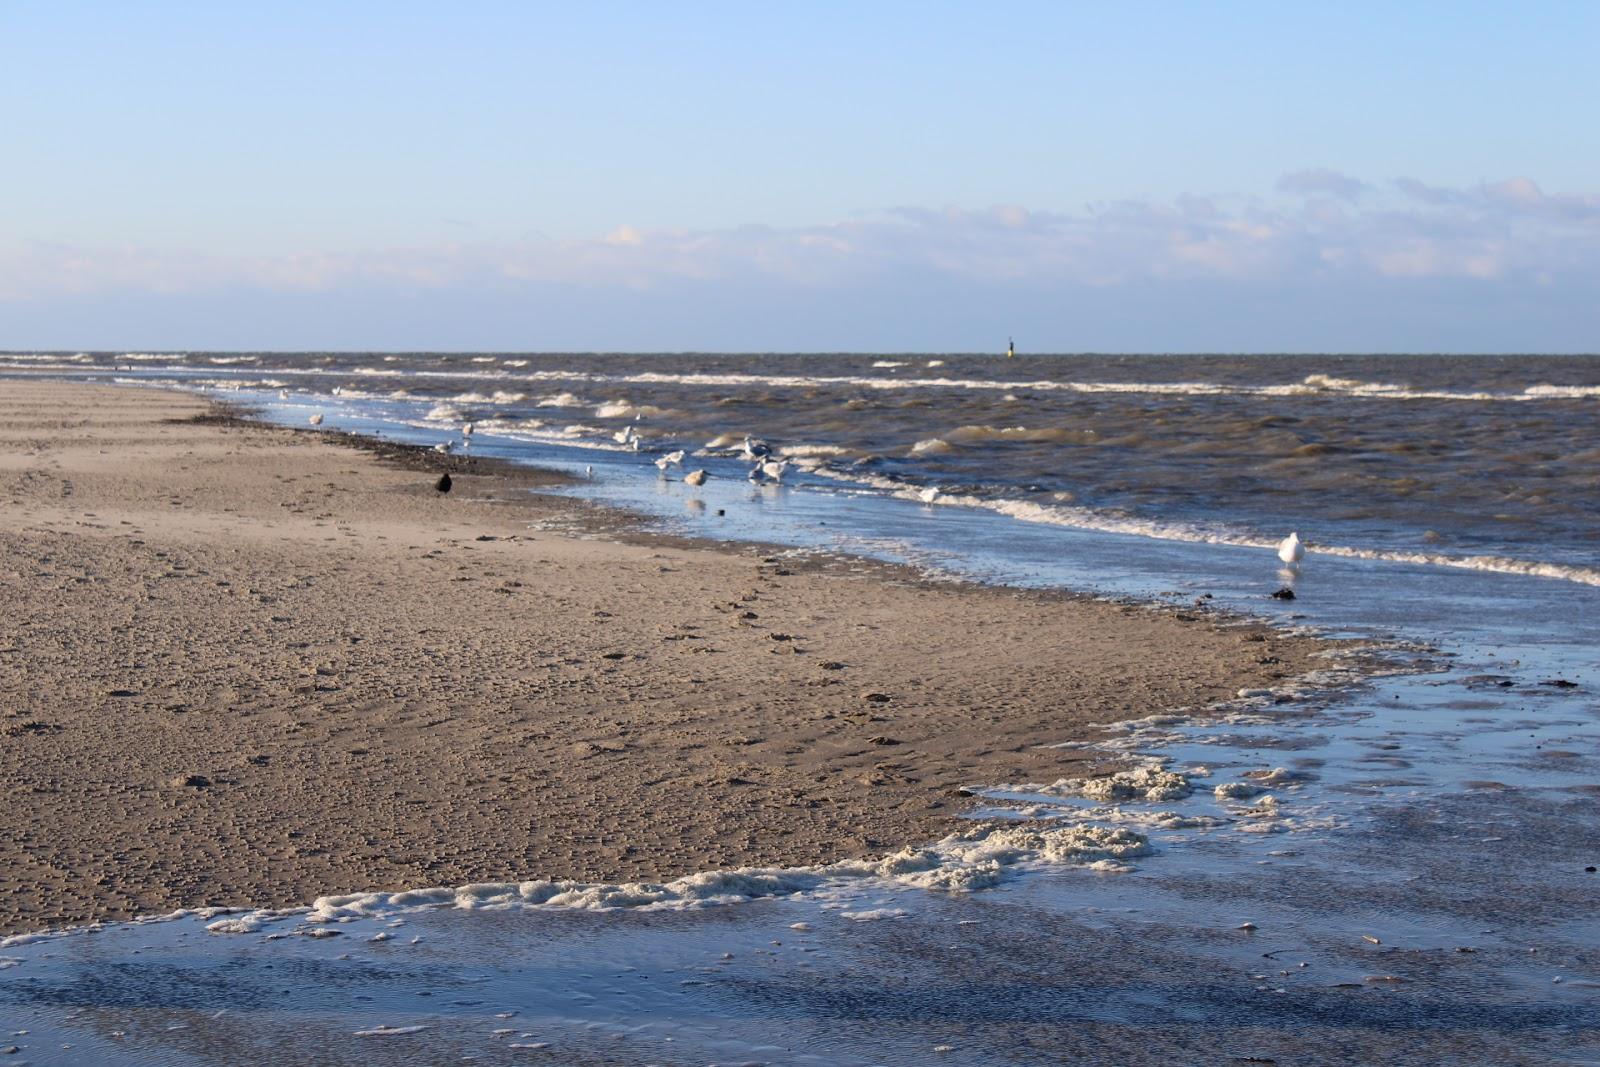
x,y
383,687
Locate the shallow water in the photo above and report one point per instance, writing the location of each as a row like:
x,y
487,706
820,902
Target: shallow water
x,y
1408,914
1425,857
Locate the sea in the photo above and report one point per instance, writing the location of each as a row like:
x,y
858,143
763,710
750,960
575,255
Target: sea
x,y
1391,859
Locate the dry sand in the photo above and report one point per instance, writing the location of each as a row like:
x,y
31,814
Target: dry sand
x,y
246,665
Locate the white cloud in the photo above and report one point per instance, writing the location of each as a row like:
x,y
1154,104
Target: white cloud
x,y
1324,182
1333,229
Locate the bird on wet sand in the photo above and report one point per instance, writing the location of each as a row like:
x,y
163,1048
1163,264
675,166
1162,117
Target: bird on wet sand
x,y
671,459
443,484
315,420
695,478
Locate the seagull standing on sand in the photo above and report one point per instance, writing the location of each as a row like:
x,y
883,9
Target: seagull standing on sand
x,y
671,459
443,448
466,431
1291,550
774,468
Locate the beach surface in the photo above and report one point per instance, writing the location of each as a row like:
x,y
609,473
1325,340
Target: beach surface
x,y
244,665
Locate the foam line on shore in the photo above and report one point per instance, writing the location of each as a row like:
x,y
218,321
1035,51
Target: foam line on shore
x,y
971,860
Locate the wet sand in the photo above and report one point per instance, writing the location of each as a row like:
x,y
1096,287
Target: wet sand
x,y
248,666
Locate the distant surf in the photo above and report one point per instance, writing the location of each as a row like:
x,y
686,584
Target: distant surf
x,y
1473,463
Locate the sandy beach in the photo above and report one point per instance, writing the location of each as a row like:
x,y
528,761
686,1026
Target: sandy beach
x,y
244,665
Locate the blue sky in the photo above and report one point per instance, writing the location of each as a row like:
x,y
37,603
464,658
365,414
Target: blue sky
x,y
1161,176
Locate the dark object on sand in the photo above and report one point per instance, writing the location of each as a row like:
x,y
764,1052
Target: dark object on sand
x,y
1284,594
721,512
443,484
1560,683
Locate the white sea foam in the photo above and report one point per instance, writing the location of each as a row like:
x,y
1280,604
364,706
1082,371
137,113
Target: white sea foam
x,y
1148,782
560,400
499,396
622,409
810,451
1562,392
1315,384
974,859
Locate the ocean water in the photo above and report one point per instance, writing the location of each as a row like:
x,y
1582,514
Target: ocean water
x,y
1489,462
1348,868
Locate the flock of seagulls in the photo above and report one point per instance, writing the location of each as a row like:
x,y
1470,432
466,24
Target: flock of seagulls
x,y
1291,550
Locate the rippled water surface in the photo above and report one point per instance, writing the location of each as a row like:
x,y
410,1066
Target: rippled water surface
x,y
1490,459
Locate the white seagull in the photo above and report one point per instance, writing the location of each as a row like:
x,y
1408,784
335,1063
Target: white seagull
x,y
695,478
929,495
315,420
1291,550
443,448
671,459
774,468
466,431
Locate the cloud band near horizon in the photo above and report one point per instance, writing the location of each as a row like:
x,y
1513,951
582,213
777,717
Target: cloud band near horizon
x,y
1519,269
